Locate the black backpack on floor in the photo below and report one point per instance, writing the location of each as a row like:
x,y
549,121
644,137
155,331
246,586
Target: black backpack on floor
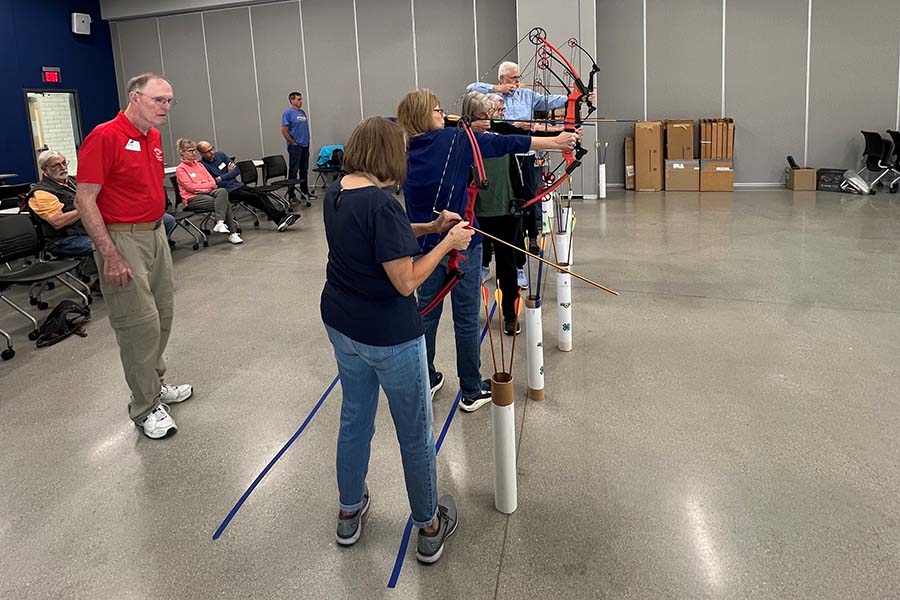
x,y
66,318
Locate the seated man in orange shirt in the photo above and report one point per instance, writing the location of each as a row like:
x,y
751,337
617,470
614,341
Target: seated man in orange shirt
x,y
52,201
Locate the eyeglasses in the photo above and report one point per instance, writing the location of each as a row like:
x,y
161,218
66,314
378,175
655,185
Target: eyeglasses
x,y
58,165
514,77
160,100
440,110
189,150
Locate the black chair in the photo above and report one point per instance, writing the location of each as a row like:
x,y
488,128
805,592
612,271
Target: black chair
x,y
250,179
876,155
334,167
12,196
895,160
36,292
18,240
183,216
275,173
9,352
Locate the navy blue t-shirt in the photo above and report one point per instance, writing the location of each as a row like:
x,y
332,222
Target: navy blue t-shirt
x,y
366,227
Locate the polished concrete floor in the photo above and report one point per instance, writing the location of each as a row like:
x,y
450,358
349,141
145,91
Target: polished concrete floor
x,y
728,427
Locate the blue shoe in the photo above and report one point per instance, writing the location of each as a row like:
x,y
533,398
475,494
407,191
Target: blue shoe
x,y
523,281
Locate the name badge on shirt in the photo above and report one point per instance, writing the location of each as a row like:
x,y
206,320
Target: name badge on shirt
x,y
221,166
133,145
192,174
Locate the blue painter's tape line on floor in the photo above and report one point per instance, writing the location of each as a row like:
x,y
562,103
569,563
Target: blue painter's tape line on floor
x,y
407,531
274,460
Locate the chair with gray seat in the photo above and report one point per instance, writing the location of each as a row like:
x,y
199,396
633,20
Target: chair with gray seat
x,y
183,216
19,240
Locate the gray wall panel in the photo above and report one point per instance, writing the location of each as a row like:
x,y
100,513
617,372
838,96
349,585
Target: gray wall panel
x,y
333,99
568,18
117,61
853,77
445,39
279,66
684,59
765,84
496,35
182,46
620,83
385,54
233,83
140,53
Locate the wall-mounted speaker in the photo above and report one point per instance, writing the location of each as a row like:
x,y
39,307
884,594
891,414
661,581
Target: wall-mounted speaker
x,y
81,23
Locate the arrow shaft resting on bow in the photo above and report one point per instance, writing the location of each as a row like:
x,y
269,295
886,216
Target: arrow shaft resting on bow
x,y
545,261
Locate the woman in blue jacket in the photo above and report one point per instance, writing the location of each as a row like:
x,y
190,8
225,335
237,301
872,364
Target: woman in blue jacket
x,y
437,174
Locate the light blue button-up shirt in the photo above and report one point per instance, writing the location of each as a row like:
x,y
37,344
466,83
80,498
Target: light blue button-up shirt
x,y
521,104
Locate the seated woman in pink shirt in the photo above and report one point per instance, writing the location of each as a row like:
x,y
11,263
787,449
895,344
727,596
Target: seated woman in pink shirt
x,y
199,192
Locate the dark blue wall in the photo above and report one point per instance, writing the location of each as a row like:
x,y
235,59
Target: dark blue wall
x,y
35,33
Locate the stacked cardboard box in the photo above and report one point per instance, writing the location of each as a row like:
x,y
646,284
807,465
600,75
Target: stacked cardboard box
x,y
716,155
717,139
679,139
648,156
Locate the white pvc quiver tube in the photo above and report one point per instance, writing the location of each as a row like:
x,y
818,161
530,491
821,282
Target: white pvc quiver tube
x,y
503,419
534,350
564,311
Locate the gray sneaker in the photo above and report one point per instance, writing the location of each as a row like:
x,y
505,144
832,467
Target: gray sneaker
x,y
350,528
430,547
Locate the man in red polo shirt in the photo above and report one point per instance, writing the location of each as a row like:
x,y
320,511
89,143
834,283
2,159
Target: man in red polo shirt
x,y
121,201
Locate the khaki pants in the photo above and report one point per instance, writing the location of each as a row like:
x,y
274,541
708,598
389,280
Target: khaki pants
x,y
141,313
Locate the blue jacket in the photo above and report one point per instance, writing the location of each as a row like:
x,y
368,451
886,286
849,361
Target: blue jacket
x,y
218,167
429,154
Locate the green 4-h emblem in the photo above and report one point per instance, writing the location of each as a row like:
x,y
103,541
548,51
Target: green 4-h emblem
x,y
566,304
567,326
542,369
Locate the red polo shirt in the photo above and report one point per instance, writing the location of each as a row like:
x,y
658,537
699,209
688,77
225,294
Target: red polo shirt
x,y
129,166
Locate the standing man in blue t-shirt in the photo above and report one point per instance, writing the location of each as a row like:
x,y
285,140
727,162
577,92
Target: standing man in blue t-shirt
x,y
295,130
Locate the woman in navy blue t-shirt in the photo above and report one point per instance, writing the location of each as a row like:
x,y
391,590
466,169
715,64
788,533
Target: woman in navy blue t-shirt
x,y
370,314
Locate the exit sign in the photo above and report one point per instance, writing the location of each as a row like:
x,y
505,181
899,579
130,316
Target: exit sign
x,y
50,75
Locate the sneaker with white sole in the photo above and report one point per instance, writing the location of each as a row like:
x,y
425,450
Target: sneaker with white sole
x,y
473,403
235,239
437,384
289,220
173,394
158,424
221,227
349,529
430,547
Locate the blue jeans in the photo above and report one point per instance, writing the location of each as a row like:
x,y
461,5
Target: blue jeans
x,y
400,370
169,224
72,246
466,300
298,167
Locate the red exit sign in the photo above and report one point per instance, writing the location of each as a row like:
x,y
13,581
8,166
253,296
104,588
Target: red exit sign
x,y
50,75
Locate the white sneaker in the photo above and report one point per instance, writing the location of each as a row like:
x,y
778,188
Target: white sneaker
x,y
221,227
159,424
235,239
173,394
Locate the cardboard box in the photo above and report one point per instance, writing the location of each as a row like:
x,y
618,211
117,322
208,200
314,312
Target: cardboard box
x,y
629,163
800,180
679,139
682,175
717,175
648,156
729,152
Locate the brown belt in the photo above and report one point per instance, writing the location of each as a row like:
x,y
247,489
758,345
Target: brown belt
x,y
134,226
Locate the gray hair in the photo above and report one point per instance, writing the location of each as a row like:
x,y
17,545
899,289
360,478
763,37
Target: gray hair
x,y
45,156
492,97
472,102
505,67
139,82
